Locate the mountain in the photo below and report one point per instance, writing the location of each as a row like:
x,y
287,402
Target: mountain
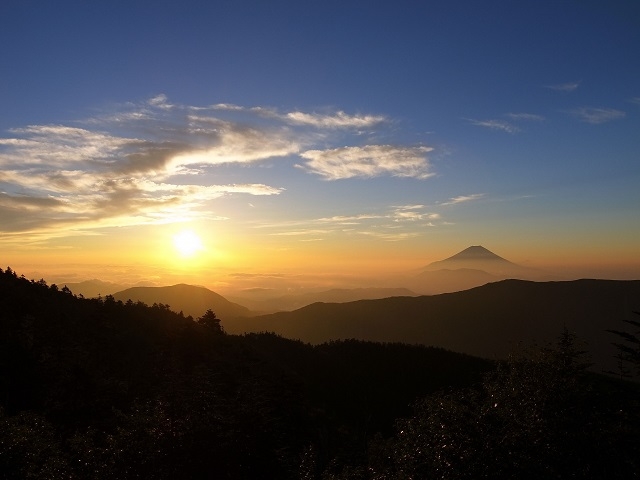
x,y
93,288
472,267
190,299
335,295
488,321
477,257
474,253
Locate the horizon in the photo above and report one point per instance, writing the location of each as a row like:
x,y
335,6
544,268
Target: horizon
x,y
318,146
276,285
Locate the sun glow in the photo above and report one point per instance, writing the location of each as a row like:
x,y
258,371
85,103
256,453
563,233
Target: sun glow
x,y
187,243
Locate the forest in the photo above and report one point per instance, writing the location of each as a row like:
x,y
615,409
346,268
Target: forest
x,y
101,388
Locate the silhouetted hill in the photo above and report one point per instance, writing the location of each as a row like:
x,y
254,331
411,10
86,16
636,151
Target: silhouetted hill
x,y
100,388
487,321
445,280
189,299
336,295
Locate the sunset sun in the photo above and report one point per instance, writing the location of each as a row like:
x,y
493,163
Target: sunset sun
x,y
187,243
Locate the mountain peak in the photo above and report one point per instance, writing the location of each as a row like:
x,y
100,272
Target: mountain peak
x,y
476,257
476,252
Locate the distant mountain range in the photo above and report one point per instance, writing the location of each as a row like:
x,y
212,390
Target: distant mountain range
x,y
488,321
189,299
481,313
93,288
472,267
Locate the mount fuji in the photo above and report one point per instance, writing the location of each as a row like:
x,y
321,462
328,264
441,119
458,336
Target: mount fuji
x,y
472,267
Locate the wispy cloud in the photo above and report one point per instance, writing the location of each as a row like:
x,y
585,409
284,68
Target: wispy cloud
x,y
299,233
413,213
155,162
530,117
368,161
564,87
463,199
596,116
337,120
350,219
499,125
333,120
160,101
391,223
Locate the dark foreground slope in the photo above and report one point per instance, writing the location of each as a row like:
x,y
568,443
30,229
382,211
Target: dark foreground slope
x,y
100,389
488,321
97,388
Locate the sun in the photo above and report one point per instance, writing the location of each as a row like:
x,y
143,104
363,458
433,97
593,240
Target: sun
x,y
187,243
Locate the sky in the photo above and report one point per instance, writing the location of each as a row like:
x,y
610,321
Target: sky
x,y
316,141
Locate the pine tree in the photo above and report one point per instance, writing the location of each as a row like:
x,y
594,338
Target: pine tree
x,y
629,352
210,320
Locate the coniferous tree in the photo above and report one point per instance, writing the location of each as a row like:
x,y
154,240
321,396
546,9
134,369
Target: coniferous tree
x,y
211,321
629,351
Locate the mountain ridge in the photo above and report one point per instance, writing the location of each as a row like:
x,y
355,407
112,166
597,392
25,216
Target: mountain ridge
x,y
487,321
334,295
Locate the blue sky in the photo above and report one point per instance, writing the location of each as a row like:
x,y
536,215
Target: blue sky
x,y
339,134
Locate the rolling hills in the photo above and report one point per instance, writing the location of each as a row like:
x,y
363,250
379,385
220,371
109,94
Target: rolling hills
x,y
334,295
488,321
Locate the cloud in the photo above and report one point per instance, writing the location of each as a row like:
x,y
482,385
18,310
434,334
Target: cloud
x,y
227,106
331,121
596,116
495,125
525,116
61,146
337,120
412,213
463,199
404,213
160,101
368,161
120,202
564,87
298,233
57,178
392,223
158,161
390,236
349,219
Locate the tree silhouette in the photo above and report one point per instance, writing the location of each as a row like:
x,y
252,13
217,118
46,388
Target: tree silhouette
x,y
628,352
535,416
211,321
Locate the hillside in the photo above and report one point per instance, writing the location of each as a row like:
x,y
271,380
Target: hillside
x,y
98,388
488,321
189,299
336,295
103,389
447,280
